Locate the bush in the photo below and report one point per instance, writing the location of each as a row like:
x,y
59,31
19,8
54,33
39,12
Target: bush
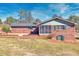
x,y
6,28
49,37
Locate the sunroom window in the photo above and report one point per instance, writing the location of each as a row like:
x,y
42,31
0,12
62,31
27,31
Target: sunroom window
x,y
45,29
58,27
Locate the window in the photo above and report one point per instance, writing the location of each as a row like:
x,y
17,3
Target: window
x,y
63,27
49,30
41,29
60,37
54,27
45,29
58,27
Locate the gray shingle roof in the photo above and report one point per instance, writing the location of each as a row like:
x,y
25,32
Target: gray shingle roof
x,y
22,24
59,20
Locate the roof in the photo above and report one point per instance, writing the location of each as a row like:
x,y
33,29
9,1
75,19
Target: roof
x,y
59,21
53,23
22,24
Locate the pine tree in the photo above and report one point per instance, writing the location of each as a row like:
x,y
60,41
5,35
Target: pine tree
x,y
38,21
29,17
22,14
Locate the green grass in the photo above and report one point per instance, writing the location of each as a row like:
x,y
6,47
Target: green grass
x,y
21,47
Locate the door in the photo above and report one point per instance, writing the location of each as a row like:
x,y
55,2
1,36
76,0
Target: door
x,y
60,37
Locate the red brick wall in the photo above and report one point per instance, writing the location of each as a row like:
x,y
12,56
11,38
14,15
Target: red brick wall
x,y
69,34
20,30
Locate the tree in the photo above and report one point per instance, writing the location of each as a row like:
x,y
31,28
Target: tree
x,y
38,21
29,17
22,14
75,19
56,16
0,21
10,20
25,16
6,28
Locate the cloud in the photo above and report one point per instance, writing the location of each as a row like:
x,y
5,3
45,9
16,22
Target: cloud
x,y
40,15
41,11
46,12
61,8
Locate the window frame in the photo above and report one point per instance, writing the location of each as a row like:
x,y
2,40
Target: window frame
x,y
45,29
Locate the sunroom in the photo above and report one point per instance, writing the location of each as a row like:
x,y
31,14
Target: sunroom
x,y
49,27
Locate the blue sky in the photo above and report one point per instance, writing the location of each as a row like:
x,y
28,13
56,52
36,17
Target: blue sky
x,y
42,11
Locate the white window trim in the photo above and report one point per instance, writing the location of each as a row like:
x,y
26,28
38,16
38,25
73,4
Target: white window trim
x,y
44,32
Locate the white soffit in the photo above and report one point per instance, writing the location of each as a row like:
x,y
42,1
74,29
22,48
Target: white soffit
x,y
53,23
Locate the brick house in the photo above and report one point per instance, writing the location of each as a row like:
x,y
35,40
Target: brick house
x,y
59,29
22,28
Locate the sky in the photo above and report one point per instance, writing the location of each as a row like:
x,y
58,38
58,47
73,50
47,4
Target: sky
x,y
42,11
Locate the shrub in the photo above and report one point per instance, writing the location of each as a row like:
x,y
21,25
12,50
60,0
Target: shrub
x,y
6,28
49,37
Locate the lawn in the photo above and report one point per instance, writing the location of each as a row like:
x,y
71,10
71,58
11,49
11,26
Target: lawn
x,y
24,47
